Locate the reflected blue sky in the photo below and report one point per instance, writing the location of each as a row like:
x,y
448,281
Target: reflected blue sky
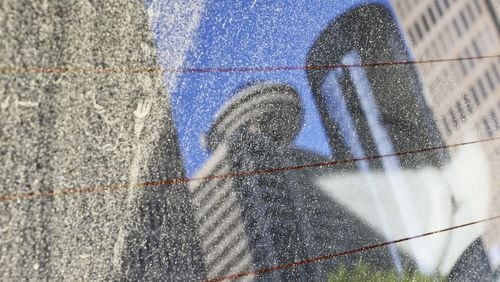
x,y
235,34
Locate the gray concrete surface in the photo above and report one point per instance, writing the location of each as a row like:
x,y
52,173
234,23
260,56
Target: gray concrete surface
x,y
77,129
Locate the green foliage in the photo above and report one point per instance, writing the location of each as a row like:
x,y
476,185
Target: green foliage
x,y
363,272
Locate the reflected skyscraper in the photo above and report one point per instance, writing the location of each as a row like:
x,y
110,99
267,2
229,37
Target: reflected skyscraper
x,y
251,213
464,95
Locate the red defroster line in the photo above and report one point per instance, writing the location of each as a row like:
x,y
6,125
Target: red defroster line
x,y
344,253
139,70
126,186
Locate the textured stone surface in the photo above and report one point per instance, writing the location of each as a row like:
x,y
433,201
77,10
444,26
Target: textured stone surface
x,y
77,129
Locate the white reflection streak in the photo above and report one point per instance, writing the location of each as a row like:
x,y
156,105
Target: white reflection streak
x,y
173,24
338,111
384,146
142,111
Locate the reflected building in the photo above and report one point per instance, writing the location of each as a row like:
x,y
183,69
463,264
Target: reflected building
x,y
253,214
464,95
258,220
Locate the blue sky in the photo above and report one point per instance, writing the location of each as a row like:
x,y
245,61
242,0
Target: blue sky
x,y
248,34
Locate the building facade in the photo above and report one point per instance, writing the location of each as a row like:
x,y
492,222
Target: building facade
x,y
464,95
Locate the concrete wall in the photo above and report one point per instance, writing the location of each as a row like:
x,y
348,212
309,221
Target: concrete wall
x,y
77,129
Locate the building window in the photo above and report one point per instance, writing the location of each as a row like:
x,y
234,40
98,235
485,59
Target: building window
x,y
491,84
474,96
463,67
468,104
476,48
494,118
482,89
446,4
430,12
464,20
460,110
412,35
437,4
453,117
470,11
457,28
418,30
426,24
478,7
446,126
487,128
468,55
495,70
